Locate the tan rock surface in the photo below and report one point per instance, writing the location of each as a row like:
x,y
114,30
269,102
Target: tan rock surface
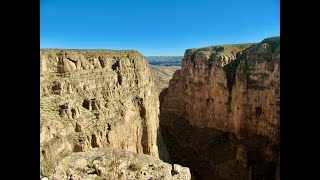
x,y
96,99
239,94
222,111
116,164
162,75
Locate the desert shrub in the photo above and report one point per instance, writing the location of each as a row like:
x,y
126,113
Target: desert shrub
x,y
134,166
46,169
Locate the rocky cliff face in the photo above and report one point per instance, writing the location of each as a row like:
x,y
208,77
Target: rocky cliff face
x,y
96,99
228,92
217,89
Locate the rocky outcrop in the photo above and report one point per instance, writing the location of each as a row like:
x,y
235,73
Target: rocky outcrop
x,y
233,90
115,164
97,99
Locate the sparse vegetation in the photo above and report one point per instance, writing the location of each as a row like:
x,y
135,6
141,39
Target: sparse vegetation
x,y
46,169
134,167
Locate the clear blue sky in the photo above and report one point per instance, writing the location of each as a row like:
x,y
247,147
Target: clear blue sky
x,y
156,27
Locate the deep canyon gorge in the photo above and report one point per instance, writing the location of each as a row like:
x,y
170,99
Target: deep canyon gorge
x,y
221,113
107,114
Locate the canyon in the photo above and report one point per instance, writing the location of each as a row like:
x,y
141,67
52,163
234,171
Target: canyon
x,y
107,114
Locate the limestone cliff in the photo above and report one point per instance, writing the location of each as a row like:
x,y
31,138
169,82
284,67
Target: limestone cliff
x,y
228,92
96,99
217,89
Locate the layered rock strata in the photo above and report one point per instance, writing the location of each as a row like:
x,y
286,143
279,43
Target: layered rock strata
x,y
97,99
228,92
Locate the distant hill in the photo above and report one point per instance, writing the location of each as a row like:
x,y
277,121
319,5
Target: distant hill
x,y
165,60
162,75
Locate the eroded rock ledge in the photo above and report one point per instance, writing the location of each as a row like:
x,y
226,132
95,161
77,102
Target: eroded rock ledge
x,y
116,164
228,92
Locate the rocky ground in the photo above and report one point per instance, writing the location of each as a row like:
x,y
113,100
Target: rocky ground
x,y
116,164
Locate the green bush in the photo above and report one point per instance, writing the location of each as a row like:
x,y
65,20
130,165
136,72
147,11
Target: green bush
x,y
135,166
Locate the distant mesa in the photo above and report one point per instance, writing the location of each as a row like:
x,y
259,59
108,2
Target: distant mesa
x,y
165,60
